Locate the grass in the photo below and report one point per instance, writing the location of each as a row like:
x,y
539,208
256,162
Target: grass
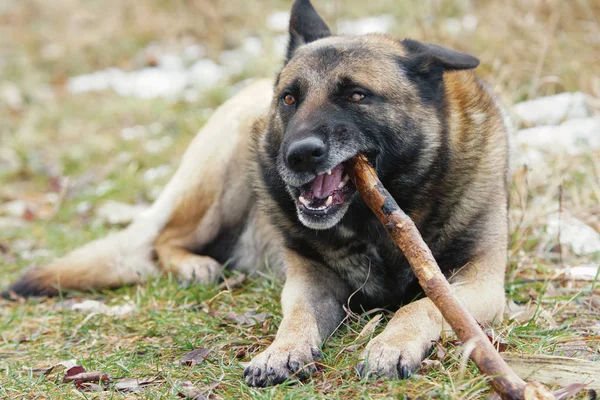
x,y
527,50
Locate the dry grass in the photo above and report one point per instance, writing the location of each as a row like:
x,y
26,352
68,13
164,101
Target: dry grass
x,y
528,48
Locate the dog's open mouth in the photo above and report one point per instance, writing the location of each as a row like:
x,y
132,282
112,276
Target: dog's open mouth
x,y
326,192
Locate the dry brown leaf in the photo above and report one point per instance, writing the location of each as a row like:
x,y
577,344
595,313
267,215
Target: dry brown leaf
x,y
83,377
441,352
194,357
89,387
189,391
370,327
569,391
525,313
134,385
232,283
249,318
428,365
54,368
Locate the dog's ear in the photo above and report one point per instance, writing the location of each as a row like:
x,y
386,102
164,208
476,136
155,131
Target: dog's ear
x,y
433,60
305,26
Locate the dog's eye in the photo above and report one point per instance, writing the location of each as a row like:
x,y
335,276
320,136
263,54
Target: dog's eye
x,y
356,96
289,99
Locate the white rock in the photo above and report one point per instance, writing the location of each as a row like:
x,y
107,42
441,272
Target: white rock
x,y
579,237
93,82
7,223
134,132
278,21
96,307
205,74
170,62
533,147
15,208
155,128
236,60
10,162
83,207
191,95
116,213
103,188
454,26
572,137
124,157
451,26
155,146
159,172
362,26
585,272
280,44
194,52
11,95
252,46
551,110
151,83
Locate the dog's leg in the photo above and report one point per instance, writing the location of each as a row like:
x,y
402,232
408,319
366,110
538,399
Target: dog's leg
x,y
398,351
188,266
312,301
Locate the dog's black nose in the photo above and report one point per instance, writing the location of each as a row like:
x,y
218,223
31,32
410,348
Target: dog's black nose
x,y
306,154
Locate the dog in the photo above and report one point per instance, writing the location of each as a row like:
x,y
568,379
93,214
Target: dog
x,y
266,183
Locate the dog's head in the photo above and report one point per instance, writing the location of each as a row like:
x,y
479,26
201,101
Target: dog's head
x,y
339,96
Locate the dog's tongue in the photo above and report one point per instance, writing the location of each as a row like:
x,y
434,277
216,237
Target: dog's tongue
x,y
324,184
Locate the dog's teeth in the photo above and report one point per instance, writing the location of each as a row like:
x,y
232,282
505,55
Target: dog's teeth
x,y
346,178
329,172
329,201
341,184
304,201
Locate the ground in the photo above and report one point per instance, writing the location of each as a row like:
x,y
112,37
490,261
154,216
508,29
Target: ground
x,y
62,155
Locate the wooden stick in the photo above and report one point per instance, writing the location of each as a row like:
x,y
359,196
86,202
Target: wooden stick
x,y
406,235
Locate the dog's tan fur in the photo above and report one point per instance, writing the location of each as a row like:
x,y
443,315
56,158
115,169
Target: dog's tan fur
x,y
227,203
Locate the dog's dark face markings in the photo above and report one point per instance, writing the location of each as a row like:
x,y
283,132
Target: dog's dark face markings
x,y
339,96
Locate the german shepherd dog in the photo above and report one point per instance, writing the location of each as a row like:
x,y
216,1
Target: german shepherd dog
x,y
265,182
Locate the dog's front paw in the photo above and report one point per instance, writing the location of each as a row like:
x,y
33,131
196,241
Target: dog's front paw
x,y
392,357
280,362
198,269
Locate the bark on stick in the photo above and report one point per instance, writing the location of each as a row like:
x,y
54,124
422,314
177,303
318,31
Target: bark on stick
x,y
406,235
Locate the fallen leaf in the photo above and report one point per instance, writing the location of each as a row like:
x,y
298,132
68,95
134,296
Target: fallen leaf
x,y
569,391
89,387
194,357
500,344
54,368
115,213
370,327
75,370
249,318
134,385
525,313
441,352
232,283
83,377
593,302
188,391
428,365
